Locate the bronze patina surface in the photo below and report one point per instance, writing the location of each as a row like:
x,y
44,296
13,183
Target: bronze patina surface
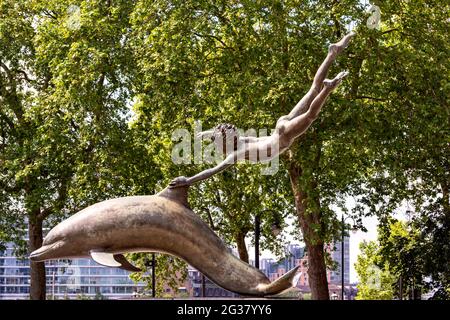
x,y
158,223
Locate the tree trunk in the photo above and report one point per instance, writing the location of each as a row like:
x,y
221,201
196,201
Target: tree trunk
x,y
37,272
317,271
242,248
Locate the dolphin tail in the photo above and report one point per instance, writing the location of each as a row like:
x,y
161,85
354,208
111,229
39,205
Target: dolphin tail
x,y
287,281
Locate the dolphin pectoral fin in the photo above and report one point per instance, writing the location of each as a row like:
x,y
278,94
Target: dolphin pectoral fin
x,y
124,264
105,259
113,260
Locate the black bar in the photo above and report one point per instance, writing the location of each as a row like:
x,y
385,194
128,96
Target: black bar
x,y
153,276
401,288
203,286
257,234
342,259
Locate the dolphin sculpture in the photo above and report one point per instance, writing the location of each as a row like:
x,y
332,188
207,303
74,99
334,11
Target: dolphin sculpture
x,y
159,223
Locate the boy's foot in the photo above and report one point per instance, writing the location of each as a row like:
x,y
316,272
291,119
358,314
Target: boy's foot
x,y
336,81
338,47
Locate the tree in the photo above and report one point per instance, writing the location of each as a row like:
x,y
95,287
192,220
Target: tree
x,y
174,89
248,63
375,281
66,84
404,81
63,105
396,257
169,272
400,249
434,249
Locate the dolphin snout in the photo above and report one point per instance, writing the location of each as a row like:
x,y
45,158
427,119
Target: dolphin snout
x,y
45,252
37,254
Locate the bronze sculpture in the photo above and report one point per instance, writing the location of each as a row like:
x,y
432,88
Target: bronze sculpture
x,y
165,223
287,129
161,223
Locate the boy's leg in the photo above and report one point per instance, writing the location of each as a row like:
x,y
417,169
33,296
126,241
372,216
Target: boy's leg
x,y
333,51
300,124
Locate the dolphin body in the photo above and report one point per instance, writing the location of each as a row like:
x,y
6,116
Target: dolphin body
x,y
159,223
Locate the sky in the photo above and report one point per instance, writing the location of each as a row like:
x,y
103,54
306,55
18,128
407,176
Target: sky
x,y
356,239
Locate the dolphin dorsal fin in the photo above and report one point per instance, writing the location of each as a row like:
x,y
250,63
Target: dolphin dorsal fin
x,y
112,260
179,194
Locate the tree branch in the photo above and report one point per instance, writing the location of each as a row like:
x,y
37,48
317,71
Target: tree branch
x,y
369,98
25,75
213,37
337,25
50,14
8,72
7,120
58,204
211,222
389,31
16,106
7,188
